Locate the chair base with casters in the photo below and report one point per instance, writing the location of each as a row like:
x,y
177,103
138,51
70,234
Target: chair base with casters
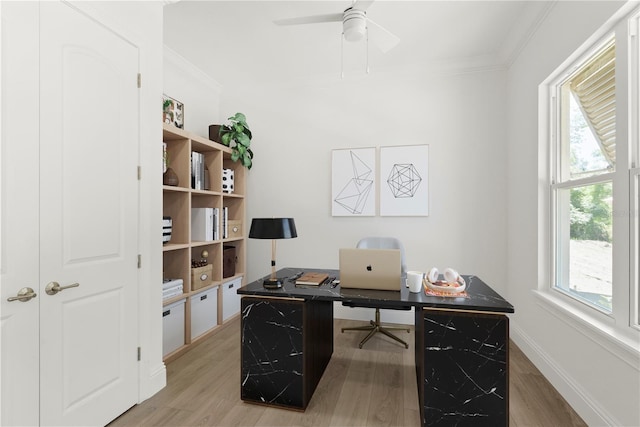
x,y
375,326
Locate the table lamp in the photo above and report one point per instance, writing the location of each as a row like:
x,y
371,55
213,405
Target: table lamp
x,y
272,228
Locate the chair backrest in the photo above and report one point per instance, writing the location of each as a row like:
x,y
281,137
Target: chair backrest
x,y
385,243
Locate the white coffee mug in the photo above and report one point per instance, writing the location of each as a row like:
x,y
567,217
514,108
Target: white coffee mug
x,y
414,281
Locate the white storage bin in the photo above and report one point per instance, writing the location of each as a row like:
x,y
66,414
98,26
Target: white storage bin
x,y
172,327
204,311
230,298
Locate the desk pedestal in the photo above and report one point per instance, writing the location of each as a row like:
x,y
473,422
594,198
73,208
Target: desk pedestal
x,y
286,346
462,368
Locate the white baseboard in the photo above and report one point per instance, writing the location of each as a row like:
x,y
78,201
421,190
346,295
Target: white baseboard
x,y
150,385
579,399
402,317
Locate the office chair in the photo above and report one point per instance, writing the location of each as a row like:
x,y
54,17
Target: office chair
x,y
374,325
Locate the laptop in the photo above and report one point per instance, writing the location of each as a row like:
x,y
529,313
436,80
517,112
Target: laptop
x,y
370,269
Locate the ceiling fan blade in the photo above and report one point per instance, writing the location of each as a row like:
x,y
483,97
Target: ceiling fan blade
x,y
314,19
381,37
362,4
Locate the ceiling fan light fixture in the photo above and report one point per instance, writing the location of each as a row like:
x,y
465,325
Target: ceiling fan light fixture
x,y
354,25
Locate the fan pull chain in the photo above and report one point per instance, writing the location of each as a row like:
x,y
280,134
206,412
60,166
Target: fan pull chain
x,y
342,56
367,31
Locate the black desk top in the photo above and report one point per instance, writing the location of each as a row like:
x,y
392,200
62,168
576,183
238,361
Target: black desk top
x,y
481,296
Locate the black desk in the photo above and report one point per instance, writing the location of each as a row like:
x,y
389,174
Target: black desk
x,y
461,347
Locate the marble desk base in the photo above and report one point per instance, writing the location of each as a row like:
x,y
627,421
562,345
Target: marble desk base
x,y
462,368
286,346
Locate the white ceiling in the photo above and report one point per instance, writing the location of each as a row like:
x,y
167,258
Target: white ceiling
x,y
237,41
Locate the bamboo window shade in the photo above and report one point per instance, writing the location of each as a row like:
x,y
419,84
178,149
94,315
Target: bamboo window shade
x,y
594,87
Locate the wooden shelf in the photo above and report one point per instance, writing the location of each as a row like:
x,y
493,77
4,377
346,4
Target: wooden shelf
x,y
178,202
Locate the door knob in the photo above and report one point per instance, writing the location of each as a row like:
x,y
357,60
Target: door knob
x,y
54,287
24,295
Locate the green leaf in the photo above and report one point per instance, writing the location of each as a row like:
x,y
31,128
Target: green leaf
x,y
243,139
226,139
239,117
246,161
235,156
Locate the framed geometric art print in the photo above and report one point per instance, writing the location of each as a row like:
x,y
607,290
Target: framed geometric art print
x,y
353,182
404,180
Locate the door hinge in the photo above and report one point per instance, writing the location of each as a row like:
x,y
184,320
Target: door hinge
x,y
139,354
139,261
139,173
139,80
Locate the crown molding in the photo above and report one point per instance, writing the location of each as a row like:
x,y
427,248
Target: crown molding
x,y
523,29
181,62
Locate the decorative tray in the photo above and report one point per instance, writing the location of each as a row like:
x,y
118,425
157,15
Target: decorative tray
x,y
446,287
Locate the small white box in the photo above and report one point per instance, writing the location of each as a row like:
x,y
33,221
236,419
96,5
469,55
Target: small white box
x,y
230,298
227,180
204,311
172,327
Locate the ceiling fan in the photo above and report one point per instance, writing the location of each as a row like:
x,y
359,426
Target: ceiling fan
x,y
355,25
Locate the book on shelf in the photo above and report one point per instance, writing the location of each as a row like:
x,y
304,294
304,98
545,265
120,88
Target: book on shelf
x,y
171,288
216,223
197,170
312,279
173,293
164,157
225,222
202,224
171,283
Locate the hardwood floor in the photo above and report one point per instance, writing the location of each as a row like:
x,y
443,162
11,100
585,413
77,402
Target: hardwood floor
x,y
374,386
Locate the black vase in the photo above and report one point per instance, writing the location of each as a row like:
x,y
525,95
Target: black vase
x,y
170,177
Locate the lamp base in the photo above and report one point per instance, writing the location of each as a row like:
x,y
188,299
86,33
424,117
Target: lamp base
x,y
272,283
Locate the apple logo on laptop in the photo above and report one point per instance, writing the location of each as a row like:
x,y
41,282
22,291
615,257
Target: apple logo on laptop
x,y
369,268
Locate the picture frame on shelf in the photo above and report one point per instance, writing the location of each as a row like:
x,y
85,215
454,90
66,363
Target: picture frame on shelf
x,y
172,112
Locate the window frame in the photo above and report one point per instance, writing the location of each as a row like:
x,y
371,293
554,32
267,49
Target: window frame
x,y
617,331
634,170
559,173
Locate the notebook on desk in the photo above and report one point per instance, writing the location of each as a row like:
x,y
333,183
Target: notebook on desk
x,y
370,269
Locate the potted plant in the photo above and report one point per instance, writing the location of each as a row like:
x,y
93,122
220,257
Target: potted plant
x,y
237,136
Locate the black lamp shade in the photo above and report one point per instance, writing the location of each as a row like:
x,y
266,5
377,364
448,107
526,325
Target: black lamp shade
x,y
272,228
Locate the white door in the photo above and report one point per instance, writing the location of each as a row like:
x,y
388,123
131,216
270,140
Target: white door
x,y
19,252
87,221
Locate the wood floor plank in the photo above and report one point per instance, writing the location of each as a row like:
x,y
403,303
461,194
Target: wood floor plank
x,y
373,386
386,403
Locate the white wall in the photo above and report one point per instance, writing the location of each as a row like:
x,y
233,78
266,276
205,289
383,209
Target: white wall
x,y
598,378
461,117
199,93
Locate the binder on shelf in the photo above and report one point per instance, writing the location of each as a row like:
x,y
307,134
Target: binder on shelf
x,y
202,224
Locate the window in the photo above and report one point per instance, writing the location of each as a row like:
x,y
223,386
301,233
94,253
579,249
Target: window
x,y
589,170
584,165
